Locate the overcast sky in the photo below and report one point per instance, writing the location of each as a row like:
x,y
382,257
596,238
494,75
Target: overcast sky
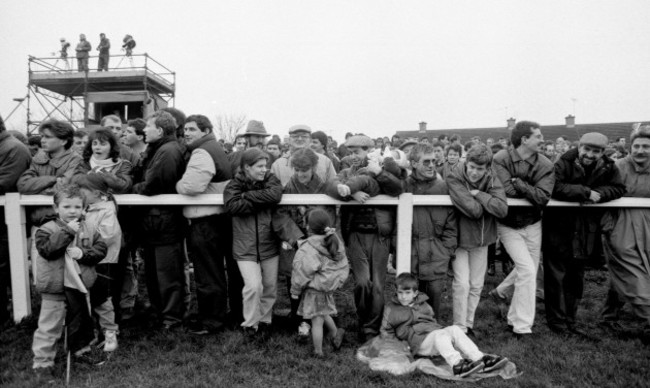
x,y
372,66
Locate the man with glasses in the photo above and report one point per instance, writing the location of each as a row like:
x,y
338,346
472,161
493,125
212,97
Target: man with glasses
x,y
434,227
300,137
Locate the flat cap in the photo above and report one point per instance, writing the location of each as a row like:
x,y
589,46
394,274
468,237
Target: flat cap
x,y
594,139
300,128
407,143
359,141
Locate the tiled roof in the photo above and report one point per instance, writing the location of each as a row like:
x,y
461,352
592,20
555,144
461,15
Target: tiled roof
x,y
550,132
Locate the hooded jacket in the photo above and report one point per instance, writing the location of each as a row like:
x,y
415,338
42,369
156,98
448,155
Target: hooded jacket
x,y
476,215
256,228
434,230
409,323
103,216
315,268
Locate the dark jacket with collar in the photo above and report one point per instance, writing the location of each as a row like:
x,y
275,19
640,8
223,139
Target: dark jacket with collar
x,y
163,165
575,232
530,179
434,230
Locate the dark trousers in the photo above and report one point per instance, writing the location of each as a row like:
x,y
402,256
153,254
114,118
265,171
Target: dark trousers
x,y
210,246
433,289
368,256
82,64
165,277
563,288
614,303
102,63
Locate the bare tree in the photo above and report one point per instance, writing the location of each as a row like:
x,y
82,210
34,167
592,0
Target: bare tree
x,y
227,126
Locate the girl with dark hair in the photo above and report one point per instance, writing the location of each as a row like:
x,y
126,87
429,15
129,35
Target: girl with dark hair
x,y
320,267
251,198
102,156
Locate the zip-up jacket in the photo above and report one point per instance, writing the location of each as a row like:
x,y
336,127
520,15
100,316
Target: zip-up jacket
x,y
476,215
256,228
530,179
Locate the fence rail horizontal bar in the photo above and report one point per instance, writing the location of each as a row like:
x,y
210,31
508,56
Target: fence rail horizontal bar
x,y
320,199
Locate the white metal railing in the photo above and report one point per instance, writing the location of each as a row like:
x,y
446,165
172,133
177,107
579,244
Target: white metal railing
x,y
14,206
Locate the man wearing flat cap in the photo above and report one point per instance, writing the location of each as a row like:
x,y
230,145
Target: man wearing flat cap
x,y
300,137
255,134
571,236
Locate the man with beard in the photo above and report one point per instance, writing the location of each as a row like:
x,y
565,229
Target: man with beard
x,y
254,137
571,236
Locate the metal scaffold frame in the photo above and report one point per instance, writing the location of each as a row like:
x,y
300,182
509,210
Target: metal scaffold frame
x,y
57,91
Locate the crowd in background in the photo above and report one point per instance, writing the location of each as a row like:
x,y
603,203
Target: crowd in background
x,y
240,248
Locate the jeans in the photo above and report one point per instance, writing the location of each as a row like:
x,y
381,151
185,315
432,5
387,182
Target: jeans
x,y
100,296
50,329
469,275
452,344
368,256
524,246
209,249
260,290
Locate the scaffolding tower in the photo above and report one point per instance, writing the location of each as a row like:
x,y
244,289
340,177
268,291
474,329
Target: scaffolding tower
x,y
57,91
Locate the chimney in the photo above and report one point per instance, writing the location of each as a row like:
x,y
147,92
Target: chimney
x,y
570,121
423,127
511,123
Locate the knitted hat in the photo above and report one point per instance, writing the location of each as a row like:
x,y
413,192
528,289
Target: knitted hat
x,y
594,139
301,128
639,130
255,127
321,137
252,156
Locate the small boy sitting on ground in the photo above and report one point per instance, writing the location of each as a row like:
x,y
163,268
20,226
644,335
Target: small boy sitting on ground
x,y
409,317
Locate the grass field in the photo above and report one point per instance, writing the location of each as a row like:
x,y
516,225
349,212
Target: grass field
x,y
150,358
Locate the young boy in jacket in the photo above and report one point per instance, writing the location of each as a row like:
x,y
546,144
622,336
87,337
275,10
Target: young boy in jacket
x,y
409,317
367,230
434,227
67,235
480,199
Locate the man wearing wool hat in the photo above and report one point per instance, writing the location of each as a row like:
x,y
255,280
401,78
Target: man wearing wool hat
x,y
571,236
254,134
300,137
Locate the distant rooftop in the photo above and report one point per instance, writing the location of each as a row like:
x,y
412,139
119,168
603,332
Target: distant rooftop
x,y
570,129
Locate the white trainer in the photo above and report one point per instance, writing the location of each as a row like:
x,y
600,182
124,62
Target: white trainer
x,y
304,329
110,340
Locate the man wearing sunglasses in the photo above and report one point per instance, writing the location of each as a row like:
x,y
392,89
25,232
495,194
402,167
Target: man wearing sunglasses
x,y
434,227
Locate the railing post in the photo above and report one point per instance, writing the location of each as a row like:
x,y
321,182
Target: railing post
x,y
404,227
15,220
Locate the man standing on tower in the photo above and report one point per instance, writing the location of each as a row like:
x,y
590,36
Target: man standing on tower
x,y
104,46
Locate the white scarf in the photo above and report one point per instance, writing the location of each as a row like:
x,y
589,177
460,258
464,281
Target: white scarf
x,y
102,165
